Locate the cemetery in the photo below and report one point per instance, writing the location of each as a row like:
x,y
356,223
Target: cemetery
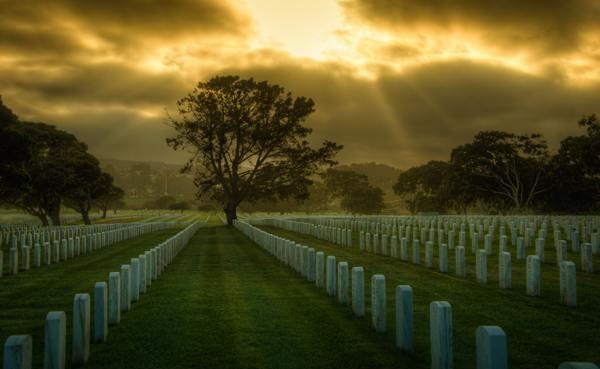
x,y
345,286
314,184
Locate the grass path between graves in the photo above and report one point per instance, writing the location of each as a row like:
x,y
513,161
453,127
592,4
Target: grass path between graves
x,y
226,303
26,298
541,332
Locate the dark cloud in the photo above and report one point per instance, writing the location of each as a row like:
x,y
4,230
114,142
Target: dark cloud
x,y
95,84
421,114
400,119
35,42
122,134
98,70
74,26
551,26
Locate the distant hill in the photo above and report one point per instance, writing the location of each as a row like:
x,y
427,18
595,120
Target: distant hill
x,y
149,179
144,180
380,175
127,164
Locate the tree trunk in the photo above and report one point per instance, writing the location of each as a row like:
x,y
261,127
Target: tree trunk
x,y
86,217
104,213
54,215
231,213
44,219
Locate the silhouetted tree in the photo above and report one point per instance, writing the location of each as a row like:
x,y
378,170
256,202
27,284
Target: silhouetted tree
x,y
247,141
38,169
424,187
575,171
113,198
7,117
455,192
90,184
363,200
504,167
340,182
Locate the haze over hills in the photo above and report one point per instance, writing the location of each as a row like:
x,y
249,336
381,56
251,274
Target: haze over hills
x,y
124,165
151,179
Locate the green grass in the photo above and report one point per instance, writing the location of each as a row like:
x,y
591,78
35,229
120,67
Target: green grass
x,y
226,303
121,219
27,297
541,332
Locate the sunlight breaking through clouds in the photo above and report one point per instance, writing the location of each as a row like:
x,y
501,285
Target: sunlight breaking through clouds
x,y
386,75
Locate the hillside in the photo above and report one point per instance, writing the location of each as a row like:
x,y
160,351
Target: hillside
x,y
380,175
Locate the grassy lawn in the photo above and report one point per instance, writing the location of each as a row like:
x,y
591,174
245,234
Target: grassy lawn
x,y
121,219
26,298
541,332
225,303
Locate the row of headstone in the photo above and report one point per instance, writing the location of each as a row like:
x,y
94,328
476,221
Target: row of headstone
x,y
336,235
110,301
28,236
378,243
448,231
348,288
583,224
23,219
568,288
22,258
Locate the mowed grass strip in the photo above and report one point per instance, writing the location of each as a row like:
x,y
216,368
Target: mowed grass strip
x,y
541,332
226,303
27,297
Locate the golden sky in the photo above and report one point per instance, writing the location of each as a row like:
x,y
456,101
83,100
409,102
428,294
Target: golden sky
x,y
396,81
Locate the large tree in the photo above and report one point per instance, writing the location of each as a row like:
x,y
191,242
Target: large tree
x,y
424,187
575,171
89,186
247,141
39,168
363,200
113,198
503,167
339,182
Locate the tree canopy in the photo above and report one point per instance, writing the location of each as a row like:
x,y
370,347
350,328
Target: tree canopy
x,y
43,168
423,186
247,141
509,172
7,117
503,166
112,198
575,171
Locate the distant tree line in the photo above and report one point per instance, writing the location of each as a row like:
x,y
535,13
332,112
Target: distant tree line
x,y
505,172
332,189
43,169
